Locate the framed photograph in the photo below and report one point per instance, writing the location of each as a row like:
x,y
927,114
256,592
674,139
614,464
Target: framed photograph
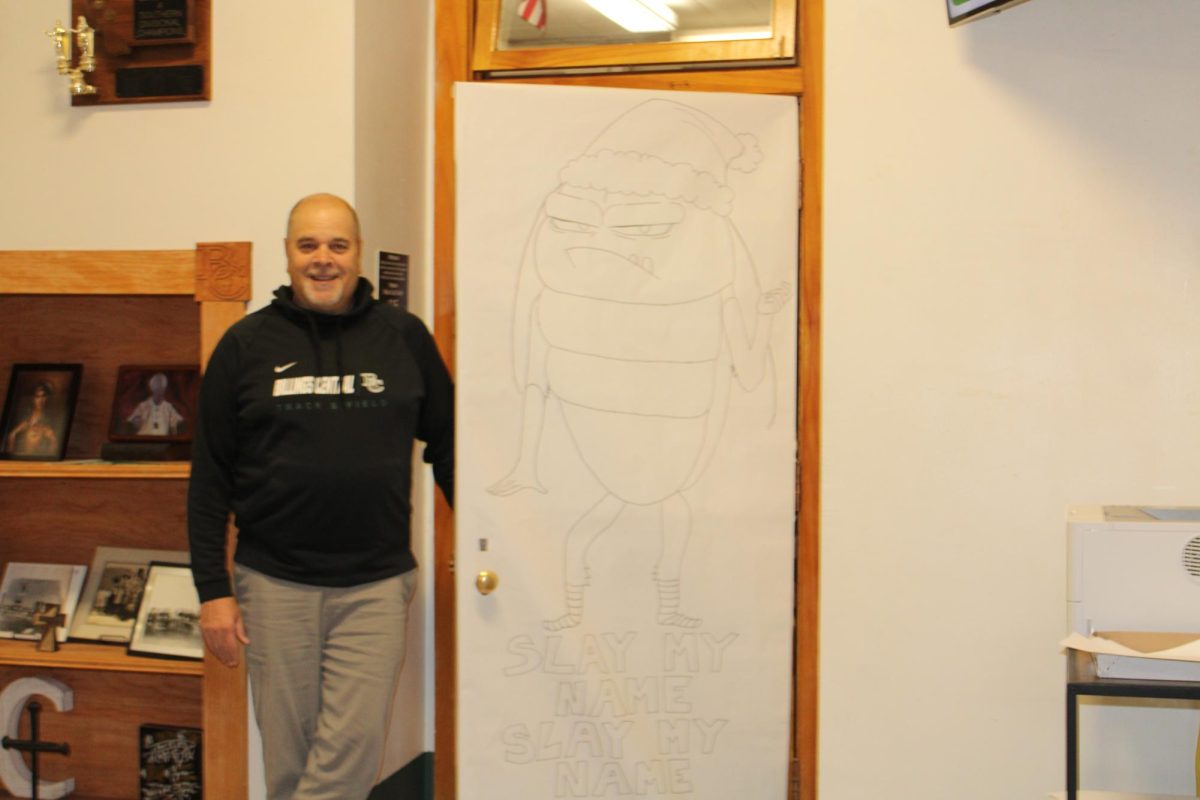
x,y
960,11
30,592
38,411
113,591
168,618
154,403
171,763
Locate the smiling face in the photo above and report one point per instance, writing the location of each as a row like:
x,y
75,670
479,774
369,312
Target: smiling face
x,y
323,249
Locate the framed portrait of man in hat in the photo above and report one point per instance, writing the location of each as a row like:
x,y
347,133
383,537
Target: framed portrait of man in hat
x,y
154,403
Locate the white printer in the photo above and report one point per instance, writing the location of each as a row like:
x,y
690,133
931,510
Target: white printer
x,y
1135,568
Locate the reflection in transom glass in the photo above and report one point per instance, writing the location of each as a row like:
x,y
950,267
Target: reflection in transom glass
x,y
570,23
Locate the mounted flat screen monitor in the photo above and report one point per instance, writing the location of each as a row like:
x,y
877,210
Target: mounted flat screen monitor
x,y
961,11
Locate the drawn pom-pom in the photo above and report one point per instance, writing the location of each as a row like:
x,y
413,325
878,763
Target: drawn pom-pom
x,y
751,155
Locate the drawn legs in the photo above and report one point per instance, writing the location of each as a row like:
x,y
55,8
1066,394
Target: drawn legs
x,y
675,526
595,521
675,522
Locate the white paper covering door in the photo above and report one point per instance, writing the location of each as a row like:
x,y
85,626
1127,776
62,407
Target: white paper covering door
x,y
626,306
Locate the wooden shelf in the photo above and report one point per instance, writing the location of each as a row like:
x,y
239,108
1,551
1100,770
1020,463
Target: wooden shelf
x,y
105,309
108,470
84,272
98,657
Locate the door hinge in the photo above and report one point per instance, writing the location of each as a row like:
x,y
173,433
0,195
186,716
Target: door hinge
x,y
794,780
800,186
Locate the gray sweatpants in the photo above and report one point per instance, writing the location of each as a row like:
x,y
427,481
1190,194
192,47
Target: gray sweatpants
x,y
323,663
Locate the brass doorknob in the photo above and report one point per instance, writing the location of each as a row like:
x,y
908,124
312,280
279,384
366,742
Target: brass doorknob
x,y
486,582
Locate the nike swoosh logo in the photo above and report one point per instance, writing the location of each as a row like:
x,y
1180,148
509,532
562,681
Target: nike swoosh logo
x,y
285,367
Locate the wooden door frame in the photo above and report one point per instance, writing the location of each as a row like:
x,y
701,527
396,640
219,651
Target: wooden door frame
x,y
453,46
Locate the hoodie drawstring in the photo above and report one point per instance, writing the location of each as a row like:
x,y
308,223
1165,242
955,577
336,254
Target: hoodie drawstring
x,y
314,336
337,352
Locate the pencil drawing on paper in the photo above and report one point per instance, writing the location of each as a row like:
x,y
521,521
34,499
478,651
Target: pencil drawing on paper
x,y
636,308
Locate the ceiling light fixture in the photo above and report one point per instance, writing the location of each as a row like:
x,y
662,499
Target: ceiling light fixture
x,y
725,35
637,16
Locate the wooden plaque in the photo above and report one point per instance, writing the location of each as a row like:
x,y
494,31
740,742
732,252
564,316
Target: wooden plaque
x,y
147,51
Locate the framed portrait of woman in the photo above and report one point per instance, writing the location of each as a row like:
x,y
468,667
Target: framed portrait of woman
x,y
38,411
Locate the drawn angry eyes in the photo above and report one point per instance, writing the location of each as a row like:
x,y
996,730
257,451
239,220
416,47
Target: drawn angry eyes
x,y
651,231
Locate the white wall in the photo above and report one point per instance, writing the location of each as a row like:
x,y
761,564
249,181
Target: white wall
x,y
393,169
280,125
1010,249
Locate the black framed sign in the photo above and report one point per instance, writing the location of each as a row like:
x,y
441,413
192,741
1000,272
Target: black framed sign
x,y
171,765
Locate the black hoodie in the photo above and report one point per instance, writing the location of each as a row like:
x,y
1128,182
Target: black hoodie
x,y
305,432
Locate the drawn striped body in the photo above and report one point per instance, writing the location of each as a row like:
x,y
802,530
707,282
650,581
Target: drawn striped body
x,y
636,383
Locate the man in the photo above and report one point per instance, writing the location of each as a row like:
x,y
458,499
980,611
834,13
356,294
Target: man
x,y
155,416
307,416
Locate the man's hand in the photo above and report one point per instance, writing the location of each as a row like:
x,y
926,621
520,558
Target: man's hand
x,y
221,624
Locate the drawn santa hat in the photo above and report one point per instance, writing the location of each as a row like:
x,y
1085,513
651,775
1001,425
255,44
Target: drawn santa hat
x,y
665,148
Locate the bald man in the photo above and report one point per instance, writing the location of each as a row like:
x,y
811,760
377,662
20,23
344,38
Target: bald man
x,y
308,413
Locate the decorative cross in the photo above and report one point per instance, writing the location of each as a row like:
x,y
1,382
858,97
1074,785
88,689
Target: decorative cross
x,y
34,745
52,620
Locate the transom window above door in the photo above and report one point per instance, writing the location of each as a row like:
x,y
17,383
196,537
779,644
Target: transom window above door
x,y
609,35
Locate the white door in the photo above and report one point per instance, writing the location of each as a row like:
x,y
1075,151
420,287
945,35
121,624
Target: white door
x,y
626,275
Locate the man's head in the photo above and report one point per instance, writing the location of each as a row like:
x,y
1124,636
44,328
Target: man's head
x,y
158,385
323,248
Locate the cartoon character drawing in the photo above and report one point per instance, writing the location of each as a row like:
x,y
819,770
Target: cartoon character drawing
x,y
636,307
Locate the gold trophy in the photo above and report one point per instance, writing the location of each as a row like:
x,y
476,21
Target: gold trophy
x,y
85,40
